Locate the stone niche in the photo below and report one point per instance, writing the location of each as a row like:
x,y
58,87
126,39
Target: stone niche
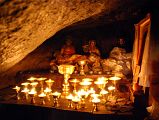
x,y
30,31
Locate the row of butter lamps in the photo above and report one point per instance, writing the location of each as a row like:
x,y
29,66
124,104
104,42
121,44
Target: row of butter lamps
x,y
100,82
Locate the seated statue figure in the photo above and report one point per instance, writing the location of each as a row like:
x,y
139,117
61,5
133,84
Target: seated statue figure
x,y
68,54
68,49
94,63
91,48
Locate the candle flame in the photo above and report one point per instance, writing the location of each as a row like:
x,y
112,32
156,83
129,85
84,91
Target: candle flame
x,y
74,80
70,97
85,83
34,83
25,90
111,88
32,78
47,90
17,88
115,78
32,92
56,94
41,79
103,92
96,100
76,99
91,91
42,95
82,92
25,83
49,81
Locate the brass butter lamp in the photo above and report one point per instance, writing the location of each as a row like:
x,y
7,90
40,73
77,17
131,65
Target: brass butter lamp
x,y
41,80
82,63
49,83
101,82
42,97
32,79
69,98
115,79
66,70
74,83
17,89
56,96
95,102
32,94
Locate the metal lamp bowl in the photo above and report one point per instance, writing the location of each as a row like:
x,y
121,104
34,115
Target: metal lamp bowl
x,y
66,69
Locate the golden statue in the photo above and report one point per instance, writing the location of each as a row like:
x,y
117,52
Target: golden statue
x,y
91,48
68,49
67,54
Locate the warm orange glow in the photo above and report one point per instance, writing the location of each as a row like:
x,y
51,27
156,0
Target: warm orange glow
x,y
95,95
42,95
111,88
31,79
74,80
47,90
82,92
102,79
32,92
82,62
70,97
34,83
85,83
49,81
25,83
25,90
87,79
76,99
115,78
96,100
103,92
16,88
41,79
57,94
66,69
91,91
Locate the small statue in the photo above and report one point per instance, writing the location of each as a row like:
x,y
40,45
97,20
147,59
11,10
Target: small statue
x,y
91,48
95,63
53,66
121,43
68,49
67,54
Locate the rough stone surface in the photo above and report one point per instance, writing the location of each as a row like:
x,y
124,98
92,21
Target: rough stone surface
x,y
26,24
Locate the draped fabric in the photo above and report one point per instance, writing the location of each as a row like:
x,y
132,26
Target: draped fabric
x,y
135,67
140,52
144,73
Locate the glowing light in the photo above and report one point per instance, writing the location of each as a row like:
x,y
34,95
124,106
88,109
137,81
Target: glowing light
x,y
111,88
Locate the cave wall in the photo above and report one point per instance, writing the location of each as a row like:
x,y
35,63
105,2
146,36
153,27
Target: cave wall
x,y
26,24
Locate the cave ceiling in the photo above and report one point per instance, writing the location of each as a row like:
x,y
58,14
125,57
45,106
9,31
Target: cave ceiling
x,y
26,24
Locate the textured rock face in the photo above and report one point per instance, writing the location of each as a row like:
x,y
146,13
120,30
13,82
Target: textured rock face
x,y
25,24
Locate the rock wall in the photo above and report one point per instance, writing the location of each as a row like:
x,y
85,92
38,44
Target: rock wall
x,y
28,23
